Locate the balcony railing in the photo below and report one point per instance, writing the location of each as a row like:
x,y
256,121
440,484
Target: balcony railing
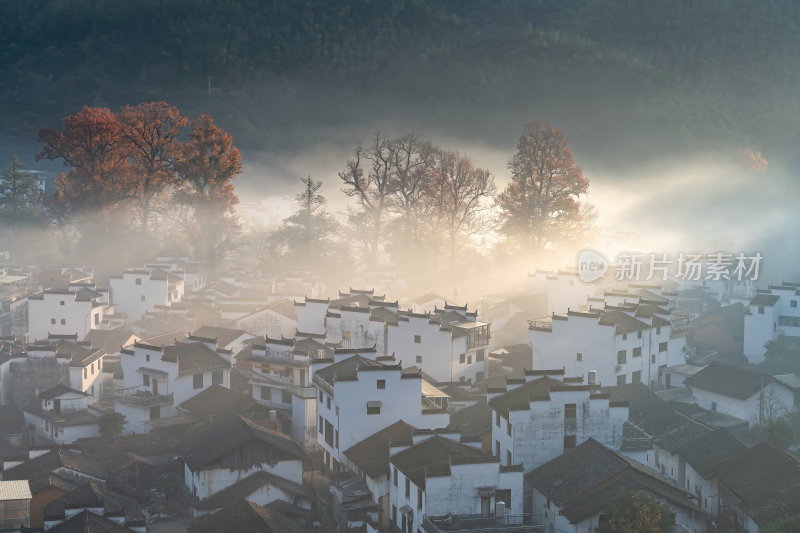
x,y
143,398
540,325
474,523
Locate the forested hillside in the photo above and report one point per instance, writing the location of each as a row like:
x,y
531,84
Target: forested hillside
x,y
679,75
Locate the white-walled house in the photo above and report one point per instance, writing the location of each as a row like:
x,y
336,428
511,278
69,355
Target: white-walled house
x,y
369,459
229,339
625,344
757,487
356,397
138,291
740,392
564,289
66,312
772,313
277,319
437,476
539,420
692,465
62,415
449,344
572,491
235,457
85,362
279,375
156,378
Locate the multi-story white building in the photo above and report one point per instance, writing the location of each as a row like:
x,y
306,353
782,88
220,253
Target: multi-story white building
x,y
536,421
279,374
67,312
156,378
450,344
357,396
438,476
138,291
62,415
772,313
616,345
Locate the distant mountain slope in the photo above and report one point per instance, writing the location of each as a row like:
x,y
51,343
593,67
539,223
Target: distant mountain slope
x,y
628,79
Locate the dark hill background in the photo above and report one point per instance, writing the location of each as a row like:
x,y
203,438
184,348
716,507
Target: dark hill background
x,y
628,80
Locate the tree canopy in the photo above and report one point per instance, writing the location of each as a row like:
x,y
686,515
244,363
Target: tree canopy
x,y
636,512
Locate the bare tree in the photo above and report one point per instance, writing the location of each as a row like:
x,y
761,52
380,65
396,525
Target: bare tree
x,y
412,162
458,195
369,178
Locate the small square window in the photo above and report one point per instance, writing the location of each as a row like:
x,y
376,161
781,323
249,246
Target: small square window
x,y
63,321
142,298
61,302
419,359
328,402
417,339
52,320
624,336
381,383
138,281
637,352
373,409
197,381
760,309
793,303
147,357
658,330
469,360
462,358
579,356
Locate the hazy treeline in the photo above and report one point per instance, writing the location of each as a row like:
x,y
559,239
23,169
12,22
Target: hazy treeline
x,y
142,178
431,216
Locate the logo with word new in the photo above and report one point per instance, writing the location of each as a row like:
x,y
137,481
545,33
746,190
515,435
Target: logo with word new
x,y
591,265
